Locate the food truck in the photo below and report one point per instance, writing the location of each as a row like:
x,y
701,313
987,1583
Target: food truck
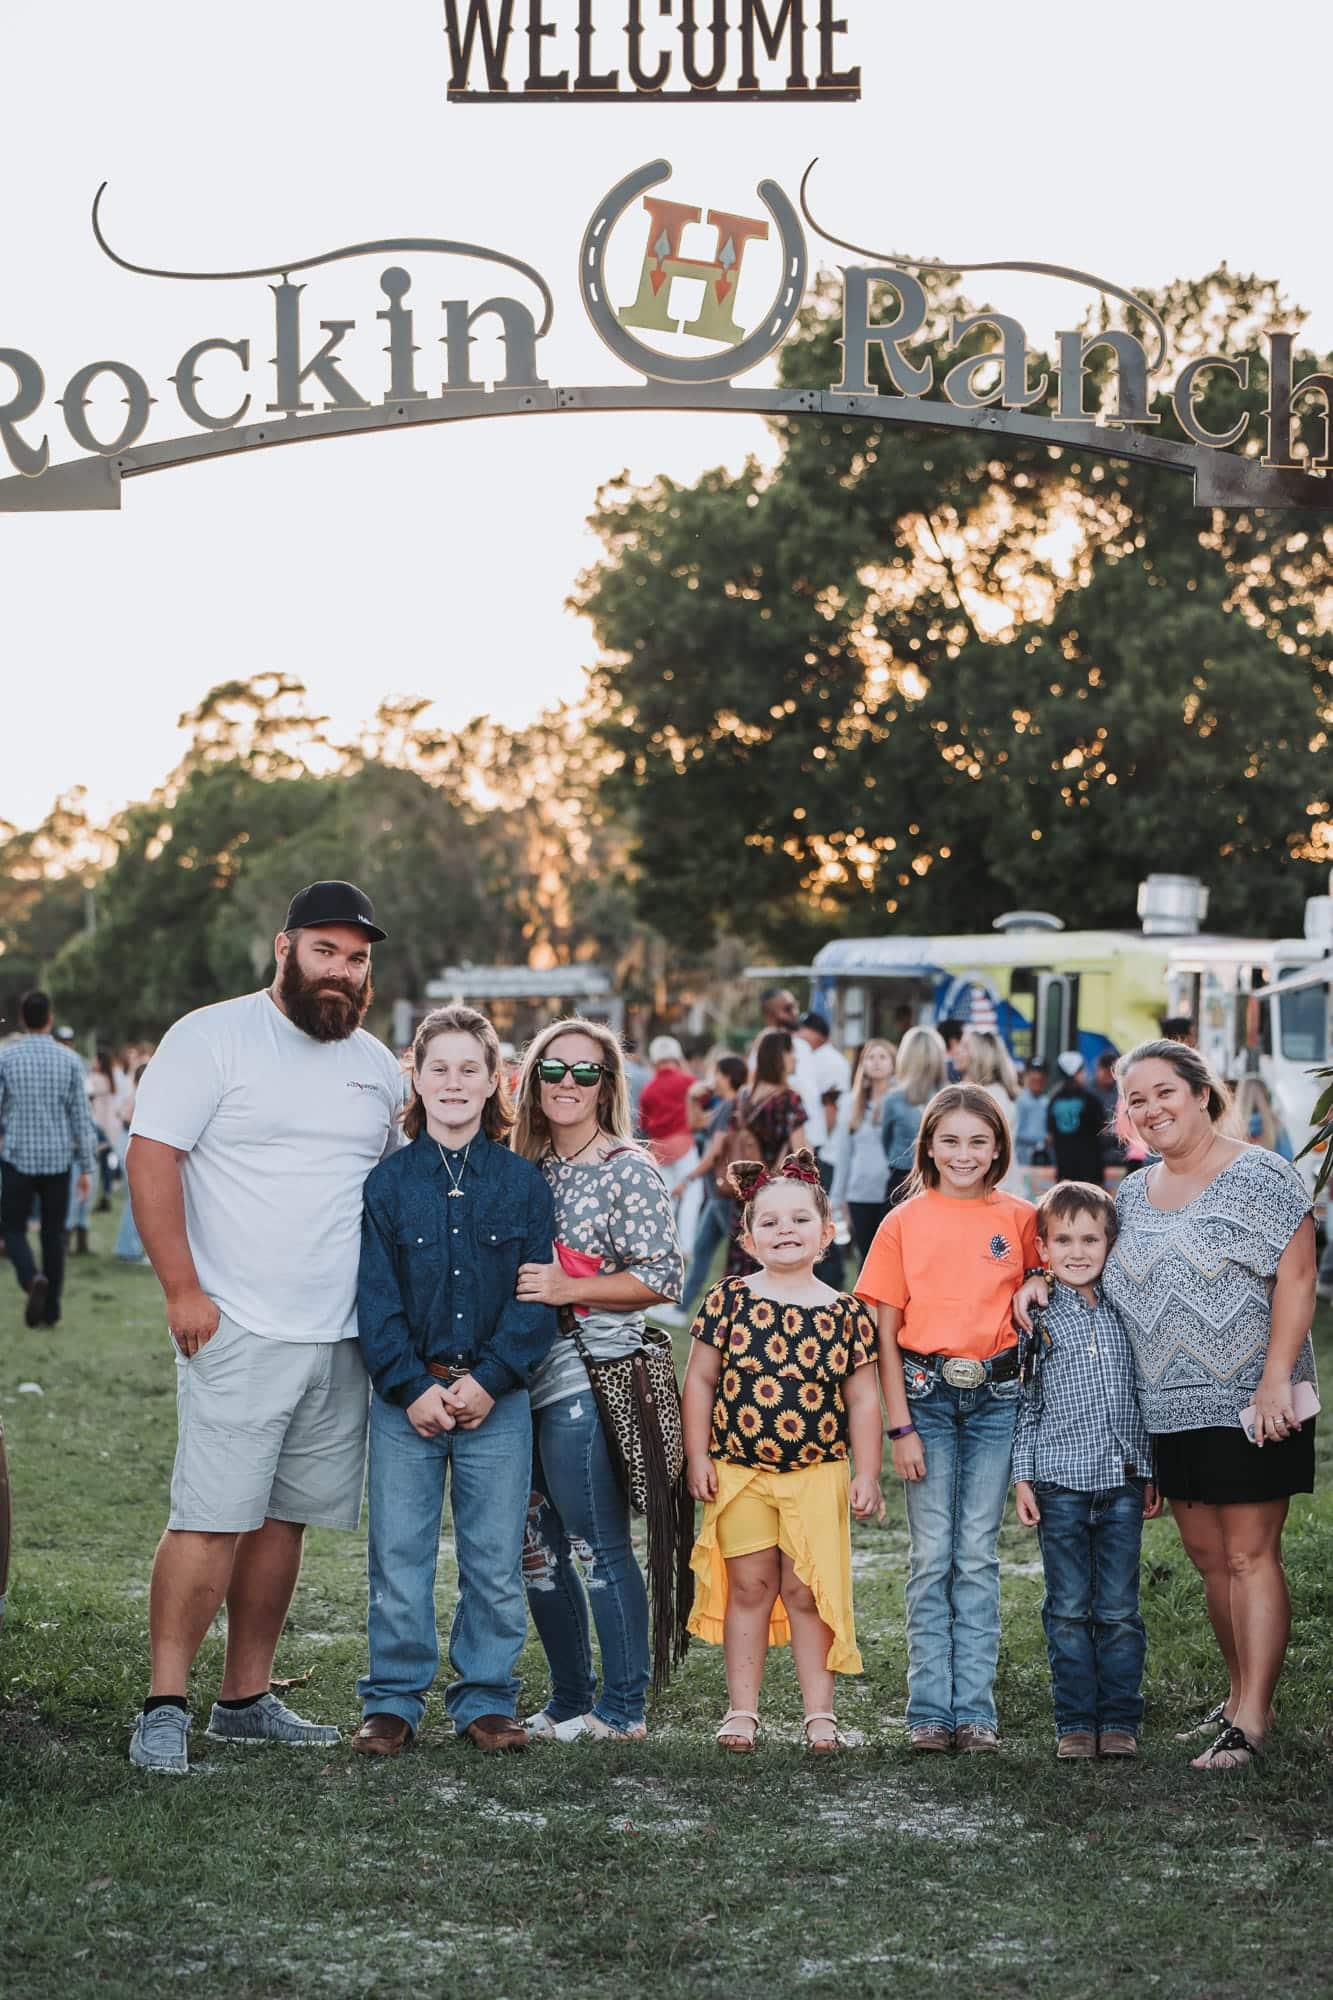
x,y
1261,1005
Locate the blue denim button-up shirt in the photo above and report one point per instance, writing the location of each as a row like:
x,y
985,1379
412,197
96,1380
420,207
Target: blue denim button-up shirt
x,y
437,1276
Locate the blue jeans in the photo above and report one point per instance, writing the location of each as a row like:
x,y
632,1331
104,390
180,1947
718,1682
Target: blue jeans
x,y
491,1478
579,1510
1094,1634
714,1227
953,1578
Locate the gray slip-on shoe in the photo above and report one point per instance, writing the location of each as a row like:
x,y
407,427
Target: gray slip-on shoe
x,y
159,1742
269,1720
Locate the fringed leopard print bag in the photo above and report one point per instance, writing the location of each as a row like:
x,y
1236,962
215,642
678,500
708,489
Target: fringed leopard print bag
x,y
638,1401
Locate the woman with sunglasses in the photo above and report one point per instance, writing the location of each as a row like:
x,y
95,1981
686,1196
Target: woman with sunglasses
x,y
617,1257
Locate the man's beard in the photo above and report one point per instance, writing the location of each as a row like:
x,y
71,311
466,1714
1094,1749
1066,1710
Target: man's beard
x,y
324,1016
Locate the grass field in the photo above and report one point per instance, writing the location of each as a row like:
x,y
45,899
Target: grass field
x,y
661,1869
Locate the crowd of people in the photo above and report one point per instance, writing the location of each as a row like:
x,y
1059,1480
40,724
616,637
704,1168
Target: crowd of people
x,y
457,1282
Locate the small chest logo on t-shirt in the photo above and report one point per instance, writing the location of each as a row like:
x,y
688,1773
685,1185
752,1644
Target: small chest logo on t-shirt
x,y
999,1248
352,1084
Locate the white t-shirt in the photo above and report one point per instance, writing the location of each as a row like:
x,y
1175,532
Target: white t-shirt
x,y
280,1132
827,1069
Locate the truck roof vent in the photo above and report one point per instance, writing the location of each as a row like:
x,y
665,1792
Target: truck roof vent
x,y
1027,920
1172,905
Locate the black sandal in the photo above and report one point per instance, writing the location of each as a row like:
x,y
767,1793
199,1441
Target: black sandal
x,y
1234,1740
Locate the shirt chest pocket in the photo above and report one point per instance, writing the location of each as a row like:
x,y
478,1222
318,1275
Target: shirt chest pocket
x,y
499,1233
418,1257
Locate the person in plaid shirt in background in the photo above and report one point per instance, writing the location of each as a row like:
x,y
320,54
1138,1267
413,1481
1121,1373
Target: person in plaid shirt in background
x,y
1082,1470
47,1128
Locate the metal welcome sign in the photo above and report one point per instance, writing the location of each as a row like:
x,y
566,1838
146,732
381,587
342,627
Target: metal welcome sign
x,y
734,305
717,61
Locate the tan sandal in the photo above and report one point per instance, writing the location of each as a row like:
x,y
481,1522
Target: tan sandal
x,y
730,1739
823,1746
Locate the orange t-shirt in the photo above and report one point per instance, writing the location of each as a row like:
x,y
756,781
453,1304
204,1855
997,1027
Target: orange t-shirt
x,y
952,1268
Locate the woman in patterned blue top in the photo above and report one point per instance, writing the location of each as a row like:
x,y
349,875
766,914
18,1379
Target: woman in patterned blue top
x,y
1213,1275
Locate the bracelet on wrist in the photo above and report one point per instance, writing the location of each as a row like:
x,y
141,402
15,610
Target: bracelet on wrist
x,y
1035,1271
903,1431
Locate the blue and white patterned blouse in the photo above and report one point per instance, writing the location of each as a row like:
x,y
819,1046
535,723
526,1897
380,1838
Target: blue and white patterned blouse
x,y
1194,1288
1080,1425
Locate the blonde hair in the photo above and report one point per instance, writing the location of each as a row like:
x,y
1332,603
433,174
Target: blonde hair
x,y
862,1089
497,1113
532,1134
922,1064
989,1061
976,1103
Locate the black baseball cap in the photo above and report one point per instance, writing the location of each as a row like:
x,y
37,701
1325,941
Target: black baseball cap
x,y
333,903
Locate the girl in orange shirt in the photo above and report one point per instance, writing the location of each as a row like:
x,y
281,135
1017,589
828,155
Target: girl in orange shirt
x,y
942,1272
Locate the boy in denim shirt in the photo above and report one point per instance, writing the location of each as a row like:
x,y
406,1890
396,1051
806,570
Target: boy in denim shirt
x,y
1082,1474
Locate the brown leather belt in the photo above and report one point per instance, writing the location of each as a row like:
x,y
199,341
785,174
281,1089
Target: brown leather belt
x,y
443,1374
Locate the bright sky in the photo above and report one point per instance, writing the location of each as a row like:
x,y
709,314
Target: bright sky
x,y
437,563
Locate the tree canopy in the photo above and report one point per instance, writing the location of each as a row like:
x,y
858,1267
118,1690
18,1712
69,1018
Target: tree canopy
x,y
898,683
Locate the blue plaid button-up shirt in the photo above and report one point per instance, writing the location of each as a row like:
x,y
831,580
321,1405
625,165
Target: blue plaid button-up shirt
x,y
44,1111
1079,1425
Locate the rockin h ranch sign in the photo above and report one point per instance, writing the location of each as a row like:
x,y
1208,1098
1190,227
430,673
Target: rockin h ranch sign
x,y
732,285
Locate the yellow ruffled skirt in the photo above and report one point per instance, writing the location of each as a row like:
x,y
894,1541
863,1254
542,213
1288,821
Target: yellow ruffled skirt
x,y
813,1528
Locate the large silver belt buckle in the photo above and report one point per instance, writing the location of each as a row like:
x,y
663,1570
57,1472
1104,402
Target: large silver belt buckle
x,y
960,1373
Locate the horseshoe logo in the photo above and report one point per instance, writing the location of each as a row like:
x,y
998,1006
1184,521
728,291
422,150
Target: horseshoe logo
x,y
735,359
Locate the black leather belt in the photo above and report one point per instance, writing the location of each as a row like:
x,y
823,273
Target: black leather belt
x,y
961,1372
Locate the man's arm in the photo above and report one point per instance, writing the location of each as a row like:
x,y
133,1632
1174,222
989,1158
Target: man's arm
x,y
158,1201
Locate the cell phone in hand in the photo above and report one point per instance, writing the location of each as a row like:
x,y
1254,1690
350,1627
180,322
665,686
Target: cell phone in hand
x,y
1303,1399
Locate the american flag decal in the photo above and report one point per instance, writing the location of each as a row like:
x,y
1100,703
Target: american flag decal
x,y
999,1247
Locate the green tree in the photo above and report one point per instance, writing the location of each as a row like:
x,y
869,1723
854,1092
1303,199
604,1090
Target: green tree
x,y
900,683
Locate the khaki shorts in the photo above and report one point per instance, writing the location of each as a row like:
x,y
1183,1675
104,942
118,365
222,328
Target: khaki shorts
x,y
269,1430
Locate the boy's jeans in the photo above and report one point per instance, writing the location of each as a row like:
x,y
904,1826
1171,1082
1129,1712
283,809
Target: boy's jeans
x,y
953,1578
491,1478
1094,1634
580,1510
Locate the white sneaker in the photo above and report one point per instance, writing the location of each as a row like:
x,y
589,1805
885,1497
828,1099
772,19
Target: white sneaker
x,y
576,1728
543,1728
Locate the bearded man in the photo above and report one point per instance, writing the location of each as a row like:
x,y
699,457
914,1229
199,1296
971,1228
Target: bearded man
x,y
256,1124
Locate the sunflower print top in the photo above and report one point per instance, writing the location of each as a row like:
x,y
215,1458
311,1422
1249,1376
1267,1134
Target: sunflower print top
x,y
779,1402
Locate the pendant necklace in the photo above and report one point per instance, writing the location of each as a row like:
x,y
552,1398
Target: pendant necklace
x,y
456,1191
565,1158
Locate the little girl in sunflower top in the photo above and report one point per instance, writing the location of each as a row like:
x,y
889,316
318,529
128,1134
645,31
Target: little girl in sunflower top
x,y
781,1378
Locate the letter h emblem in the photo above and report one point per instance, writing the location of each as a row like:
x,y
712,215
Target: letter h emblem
x,y
663,262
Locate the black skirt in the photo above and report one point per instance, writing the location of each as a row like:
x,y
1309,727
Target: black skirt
x,y
1221,1468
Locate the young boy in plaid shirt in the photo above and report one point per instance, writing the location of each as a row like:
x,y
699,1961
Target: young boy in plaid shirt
x,y
1082,1472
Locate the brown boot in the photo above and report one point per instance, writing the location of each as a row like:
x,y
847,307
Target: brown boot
x,y
382,1736
497,1732
1076,1743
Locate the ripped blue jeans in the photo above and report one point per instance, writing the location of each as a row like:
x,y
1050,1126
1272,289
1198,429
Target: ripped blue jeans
x,y
580,1518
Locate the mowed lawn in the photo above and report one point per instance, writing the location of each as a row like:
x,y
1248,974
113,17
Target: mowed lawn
x,y
661,1869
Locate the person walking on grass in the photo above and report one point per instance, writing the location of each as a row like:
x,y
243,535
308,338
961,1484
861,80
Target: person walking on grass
x,y
447,1222
1083,1478
942,1272
47,1130
718,1214
780,1385
861,1172
256,1125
